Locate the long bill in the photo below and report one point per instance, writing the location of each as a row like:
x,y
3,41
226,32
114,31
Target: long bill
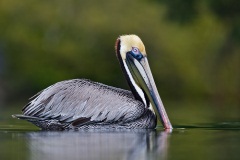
x,y
142,75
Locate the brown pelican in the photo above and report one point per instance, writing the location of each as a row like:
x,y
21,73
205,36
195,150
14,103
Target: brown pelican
x,y
83,104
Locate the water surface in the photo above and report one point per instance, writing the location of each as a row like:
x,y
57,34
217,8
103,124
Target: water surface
x,y
21,140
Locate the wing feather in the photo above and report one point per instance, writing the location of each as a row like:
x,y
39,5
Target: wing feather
x,y
78,101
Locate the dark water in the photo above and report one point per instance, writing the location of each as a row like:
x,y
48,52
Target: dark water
x,y
22,141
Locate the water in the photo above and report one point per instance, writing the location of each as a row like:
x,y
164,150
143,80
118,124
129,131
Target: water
x,y
22,141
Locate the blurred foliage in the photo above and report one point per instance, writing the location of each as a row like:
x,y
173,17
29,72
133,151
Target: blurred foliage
x,y
42,42
225,60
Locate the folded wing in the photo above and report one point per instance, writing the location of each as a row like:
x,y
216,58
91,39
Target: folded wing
x,y
82,101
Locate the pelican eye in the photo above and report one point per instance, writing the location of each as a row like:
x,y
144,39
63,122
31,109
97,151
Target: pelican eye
x,y
136,53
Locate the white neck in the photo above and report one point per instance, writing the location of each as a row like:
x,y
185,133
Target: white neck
x,y
132,81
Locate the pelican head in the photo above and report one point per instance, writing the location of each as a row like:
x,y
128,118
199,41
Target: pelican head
x,y
132,56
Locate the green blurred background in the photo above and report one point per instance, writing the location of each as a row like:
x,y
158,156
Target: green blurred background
x,y
193,49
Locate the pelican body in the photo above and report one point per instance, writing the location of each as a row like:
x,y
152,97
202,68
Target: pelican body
x,y
84,104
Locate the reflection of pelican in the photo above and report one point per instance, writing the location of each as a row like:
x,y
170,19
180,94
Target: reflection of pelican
x,y
128,145
82,103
